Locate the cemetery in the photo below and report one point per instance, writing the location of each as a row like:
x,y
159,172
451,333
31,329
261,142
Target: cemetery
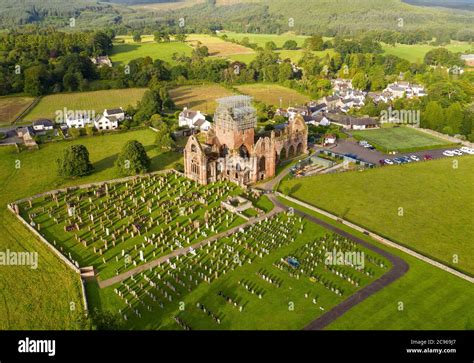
x,y
115,226
271,272
238,282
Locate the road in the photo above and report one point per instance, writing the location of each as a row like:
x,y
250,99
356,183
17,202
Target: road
x,y
399,268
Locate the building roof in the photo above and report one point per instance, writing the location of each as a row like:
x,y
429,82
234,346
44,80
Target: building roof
x,y
114,111
44,122
200,122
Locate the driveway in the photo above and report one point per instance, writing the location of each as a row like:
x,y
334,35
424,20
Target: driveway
x,y
374,156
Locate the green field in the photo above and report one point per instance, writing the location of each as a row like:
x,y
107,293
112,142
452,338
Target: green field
x,y
294,55
199,97
272,94
41,299
399,139
95,101
416,53
262,39
122,53
12,107
432,298
425,206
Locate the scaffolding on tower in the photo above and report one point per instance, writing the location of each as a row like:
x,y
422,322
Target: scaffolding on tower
x,y
235,113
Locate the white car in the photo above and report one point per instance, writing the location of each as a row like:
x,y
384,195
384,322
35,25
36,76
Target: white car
x,y
467,150
456,152
388,161
448,153
414,158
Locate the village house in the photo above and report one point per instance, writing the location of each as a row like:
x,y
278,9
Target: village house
x,y
329,139
353,123
297,110
193,120
43,125
468,59
401,89
110,119
78,120
102,61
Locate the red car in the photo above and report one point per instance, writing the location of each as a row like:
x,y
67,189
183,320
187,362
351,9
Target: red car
x,y
428,157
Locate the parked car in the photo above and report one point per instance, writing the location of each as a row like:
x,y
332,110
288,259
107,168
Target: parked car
x,y
414,158
388,161
448,153
469,151
397,161
382,162
456,152
428,157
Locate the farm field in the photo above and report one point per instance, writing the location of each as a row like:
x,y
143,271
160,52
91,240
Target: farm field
x,y
122,53
91,101
272,93
200,97
218,47
294,55
12,107
445,308
425,206
399,139
23,289
270,293
262,39
416,53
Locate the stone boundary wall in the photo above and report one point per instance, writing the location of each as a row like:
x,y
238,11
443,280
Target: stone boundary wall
x,y
57,253
83,186
380,239
444,136
97,184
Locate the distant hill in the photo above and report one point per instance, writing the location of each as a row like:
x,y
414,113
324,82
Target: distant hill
x,y
454,4
327,17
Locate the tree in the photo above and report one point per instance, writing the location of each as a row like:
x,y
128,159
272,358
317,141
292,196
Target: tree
x,y
163,140
137,38
148,106
180,37
360,81
285,72
270,45
316,42
433,116
454,117
290,45
132,159
74,132
35,80
74,162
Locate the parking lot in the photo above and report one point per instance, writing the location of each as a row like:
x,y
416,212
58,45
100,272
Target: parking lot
x,y
374,156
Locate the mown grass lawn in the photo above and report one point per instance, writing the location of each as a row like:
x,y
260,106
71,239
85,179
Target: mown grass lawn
x,y
416,53
95,101
123,53
426,206
432,298
399,139
41,298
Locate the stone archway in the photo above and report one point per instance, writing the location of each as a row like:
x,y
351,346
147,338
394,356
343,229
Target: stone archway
x,y
299,149
291,151
262,164
283,154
